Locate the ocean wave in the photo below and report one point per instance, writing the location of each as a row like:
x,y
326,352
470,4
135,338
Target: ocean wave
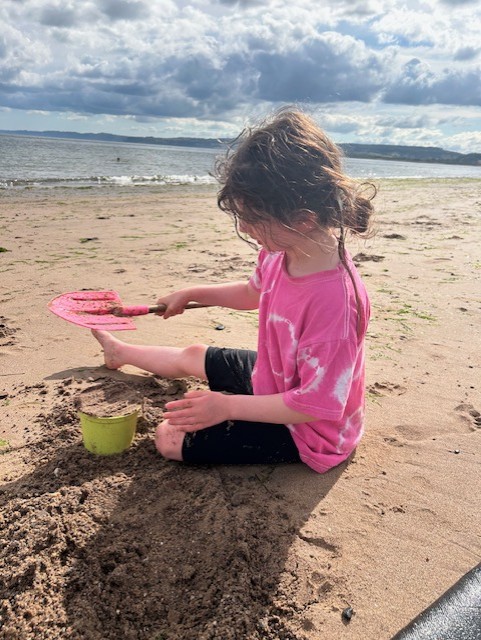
x,y
113,181
158,179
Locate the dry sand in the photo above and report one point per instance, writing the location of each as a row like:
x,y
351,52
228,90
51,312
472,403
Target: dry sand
x,y
134,547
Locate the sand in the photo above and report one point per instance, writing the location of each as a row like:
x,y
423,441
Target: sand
x,y
135,547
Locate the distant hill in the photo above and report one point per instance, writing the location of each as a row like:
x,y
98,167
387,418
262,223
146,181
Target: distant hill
x,y
367,151
209,143
410,154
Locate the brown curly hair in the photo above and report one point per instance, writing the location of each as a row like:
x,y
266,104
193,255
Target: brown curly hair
x,y
286,169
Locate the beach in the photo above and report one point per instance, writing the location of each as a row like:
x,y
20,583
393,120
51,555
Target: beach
x,y
139,548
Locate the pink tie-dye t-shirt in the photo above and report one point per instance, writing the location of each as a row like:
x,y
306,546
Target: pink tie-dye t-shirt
x,y
309,350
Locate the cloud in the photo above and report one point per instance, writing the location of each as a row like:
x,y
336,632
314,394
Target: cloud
x,y
57,16
242,3
183,72
419,85
418,121
222,60
456,3
338,123
466,142
330,68
467,53
163,67
124,9
18,53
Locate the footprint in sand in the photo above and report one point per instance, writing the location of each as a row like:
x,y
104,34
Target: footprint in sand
x,y
427,221
406,433
393,441
367,257
413,432
386,389
6,333
469,415
394,236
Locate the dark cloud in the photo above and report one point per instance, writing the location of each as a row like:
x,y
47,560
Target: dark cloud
x,y
123,9
419,85
177,87
321,71
196,86
65,17
209,71
242,3
55,16
211,88
3,48
97,98
8,74
467,53
359,8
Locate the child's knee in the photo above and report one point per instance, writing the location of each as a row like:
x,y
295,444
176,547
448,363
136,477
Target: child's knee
x,y
193,360
168,441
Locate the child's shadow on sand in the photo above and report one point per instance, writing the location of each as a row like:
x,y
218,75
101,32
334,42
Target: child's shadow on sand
x,y
133,546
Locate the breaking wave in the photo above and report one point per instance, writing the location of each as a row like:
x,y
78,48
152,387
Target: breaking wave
x,y
106,181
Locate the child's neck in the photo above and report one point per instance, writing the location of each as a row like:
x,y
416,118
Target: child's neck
x,y
316,254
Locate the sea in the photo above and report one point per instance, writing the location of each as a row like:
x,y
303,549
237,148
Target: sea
x,y
29,162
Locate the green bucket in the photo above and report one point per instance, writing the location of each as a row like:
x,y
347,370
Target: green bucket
x,y
107,436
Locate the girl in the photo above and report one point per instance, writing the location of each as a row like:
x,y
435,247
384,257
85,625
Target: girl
x,y
300,397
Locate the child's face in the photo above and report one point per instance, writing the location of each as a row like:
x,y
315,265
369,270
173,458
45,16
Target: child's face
x,y
272,236
247,228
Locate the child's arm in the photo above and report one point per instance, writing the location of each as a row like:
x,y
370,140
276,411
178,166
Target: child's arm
x,y
235,295
201,409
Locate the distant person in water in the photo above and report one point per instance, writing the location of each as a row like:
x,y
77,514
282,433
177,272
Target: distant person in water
x,y
300,396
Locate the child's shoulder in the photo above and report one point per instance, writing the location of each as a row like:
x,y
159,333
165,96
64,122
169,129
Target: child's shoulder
x,y
269,261
267,257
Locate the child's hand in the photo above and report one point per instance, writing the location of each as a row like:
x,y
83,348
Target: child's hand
x,y
175,303
197,410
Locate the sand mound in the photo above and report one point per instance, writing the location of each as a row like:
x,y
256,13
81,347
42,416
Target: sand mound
x,y
134,547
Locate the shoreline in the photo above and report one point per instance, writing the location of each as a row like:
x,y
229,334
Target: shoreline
x,y
252,551
119,190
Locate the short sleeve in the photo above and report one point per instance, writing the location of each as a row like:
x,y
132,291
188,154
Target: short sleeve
x,y
326,373
256,278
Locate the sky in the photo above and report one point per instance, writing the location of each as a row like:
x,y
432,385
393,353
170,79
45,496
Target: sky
x,y
368,71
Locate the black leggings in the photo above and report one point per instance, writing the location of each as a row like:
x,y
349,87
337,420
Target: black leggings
x,y
237,441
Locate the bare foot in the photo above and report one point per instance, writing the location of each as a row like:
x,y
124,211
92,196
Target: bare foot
x,y
112,349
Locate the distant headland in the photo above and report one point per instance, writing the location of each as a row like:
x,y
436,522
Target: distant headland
x,y
351,150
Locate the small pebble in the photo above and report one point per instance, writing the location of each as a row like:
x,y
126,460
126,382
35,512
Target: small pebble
x,y
219,327
347,613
